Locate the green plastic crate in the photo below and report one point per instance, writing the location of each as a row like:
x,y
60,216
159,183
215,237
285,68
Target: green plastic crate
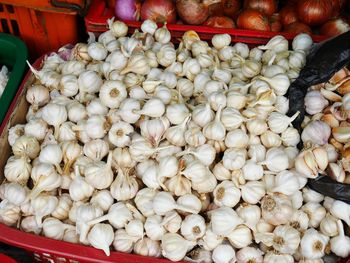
x,y
13,54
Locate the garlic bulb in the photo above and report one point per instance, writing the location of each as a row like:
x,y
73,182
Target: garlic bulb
x,y
315,212
313,244
224,220
17,169
276,160
125,186
147,247
193,227
249,254
341,210
101,236
51,154
163,202
251,214
54,228
278,122
311,161
317,132
276,209
61,212
29,224
26,146
340,245
10,213
315,102
36,128
135,228
154,228
215,130
123,242
102,199
329,226
38,96
96,149
174,247
79,189
240,237
43,205
45,178
99,174
224,254
252,191
226,194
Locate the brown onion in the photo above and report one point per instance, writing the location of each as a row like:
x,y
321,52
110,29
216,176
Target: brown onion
x,y
194,12
216,9
337,7
160,11
288,15
220,21
315,12
298,28
275,22
231,7
226,7
253,19
267,7
335,27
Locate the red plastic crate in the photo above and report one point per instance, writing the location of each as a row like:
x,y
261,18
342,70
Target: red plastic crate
x,y
98,14
41,27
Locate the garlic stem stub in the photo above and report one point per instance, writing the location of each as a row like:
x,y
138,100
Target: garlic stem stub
x,y
185,151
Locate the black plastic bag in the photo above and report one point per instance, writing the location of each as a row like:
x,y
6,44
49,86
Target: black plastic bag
x,y
323,61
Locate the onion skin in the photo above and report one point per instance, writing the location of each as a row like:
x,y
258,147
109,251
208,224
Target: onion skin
x,y
228,8
220,22
194,12
127,10
267,7
298,28
160,11
315,12
335,27
231,7
253,20
275,23
337,7
288,15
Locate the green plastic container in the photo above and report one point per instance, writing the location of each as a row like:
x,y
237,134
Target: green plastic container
x,y
13,54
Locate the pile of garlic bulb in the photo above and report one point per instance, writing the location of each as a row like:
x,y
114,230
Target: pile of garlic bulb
x,y
327,125
183,152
